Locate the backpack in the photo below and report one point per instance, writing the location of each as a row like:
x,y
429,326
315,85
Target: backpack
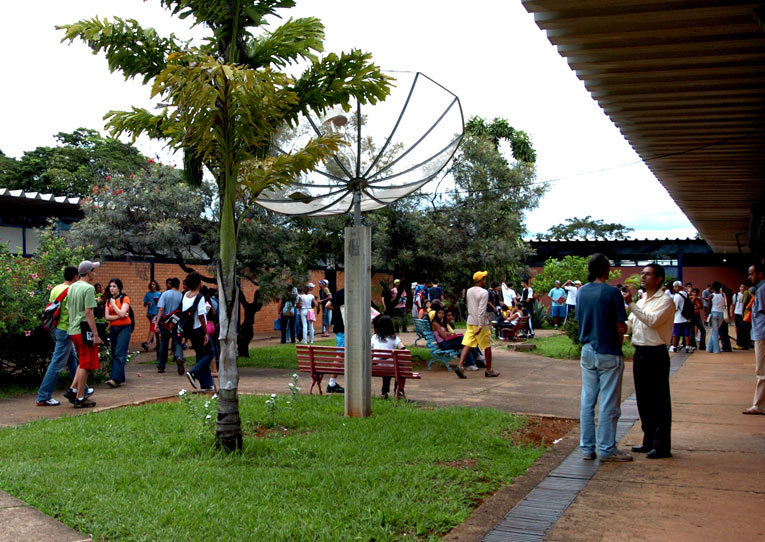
x,y
688,310
130,314
185,325
52,312
289,309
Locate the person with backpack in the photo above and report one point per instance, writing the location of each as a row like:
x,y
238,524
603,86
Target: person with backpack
x,y
121,323
684,312
287,316
168,308
64,349
192,324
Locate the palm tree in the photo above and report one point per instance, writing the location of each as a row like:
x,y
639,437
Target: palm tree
x,y
221,102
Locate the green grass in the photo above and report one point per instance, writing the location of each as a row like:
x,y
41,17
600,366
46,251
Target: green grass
x,y
149,473
284,356
561,347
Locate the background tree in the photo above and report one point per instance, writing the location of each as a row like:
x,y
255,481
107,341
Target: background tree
x,y
586,228
223,102
569,268
82,158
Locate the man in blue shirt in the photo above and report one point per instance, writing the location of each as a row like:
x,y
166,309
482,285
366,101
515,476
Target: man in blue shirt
x,y
757,277
169,301
601,316
558,296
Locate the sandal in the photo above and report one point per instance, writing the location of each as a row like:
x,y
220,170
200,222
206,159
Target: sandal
x,y
459,371
492,373
753,411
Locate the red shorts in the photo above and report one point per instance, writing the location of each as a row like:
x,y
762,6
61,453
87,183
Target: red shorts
x,y
86,353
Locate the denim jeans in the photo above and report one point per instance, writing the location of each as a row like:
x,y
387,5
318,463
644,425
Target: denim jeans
x,y
713,345
307,327
601,376
201,370
166,338
63,353
119,338
326,319
288,328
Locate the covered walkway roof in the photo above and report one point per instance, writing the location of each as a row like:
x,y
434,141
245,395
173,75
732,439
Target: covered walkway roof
x,y
685,84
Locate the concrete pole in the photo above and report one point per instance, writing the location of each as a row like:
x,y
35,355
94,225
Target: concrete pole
x,y
358,297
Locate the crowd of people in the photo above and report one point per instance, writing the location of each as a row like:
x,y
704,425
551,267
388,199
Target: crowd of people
x,y
78,335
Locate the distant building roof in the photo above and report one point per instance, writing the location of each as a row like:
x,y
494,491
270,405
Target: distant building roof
x,y
6,193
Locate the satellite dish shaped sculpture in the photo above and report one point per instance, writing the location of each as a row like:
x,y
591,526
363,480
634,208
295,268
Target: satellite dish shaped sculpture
x,y
391,149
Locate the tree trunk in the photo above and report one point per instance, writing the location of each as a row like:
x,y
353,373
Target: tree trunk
x,y
228,434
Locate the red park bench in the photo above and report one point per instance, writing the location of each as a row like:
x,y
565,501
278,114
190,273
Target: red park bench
x,y
321,360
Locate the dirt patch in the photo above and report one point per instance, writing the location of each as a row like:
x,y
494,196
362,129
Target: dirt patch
x,y
461,464
542,431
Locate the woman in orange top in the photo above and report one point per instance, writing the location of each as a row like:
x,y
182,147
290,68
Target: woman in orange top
x,y
117,313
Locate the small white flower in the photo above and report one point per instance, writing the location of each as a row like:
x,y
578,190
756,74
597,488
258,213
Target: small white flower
x,y
208,417
289,402
207,404
298,389
291,385
273,396
182,393
294,375
214,396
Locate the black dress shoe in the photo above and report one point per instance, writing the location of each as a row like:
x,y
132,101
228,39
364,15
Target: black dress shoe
x,y
656,454
641,449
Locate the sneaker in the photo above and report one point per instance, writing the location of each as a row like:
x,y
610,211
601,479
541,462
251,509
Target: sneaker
x,y
48,402
738,347
556,327
84,403
672,349
181,368
335,389
192,380
145,346
89,392
160,369
589,456
71,395
616,457
471,367
490,374
459,372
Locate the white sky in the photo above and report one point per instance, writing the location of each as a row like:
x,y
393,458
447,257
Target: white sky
x,y
490,53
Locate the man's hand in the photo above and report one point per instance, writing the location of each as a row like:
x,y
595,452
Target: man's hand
x,y
627,296
207,339
621,327
97,339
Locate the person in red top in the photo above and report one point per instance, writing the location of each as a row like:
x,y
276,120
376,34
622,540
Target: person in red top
x,y
117,313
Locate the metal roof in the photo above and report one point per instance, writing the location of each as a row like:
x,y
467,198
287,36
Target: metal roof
x,y
685,84
6,193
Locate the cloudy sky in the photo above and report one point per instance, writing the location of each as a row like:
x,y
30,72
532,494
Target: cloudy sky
x,y
491,55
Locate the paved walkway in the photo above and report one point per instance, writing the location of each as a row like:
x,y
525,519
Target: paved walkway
x,y
712,489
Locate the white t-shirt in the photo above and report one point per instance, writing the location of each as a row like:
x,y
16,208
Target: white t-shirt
x,y
388,344
202,308
679,302
306,301
570,295
738,303
508,295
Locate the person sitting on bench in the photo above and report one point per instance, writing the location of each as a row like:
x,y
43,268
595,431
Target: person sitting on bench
x,y
447,339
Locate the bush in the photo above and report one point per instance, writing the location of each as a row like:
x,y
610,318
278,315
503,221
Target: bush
x,y
24,358
572,330
539,315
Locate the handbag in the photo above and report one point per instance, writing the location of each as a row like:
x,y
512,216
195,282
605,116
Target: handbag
x,y
277,324
726,315
310,315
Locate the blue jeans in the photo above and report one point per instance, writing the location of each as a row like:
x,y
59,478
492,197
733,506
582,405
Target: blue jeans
x,y
201,370
713,345
288,329
167,337
326,319
119,338
601,376
63,353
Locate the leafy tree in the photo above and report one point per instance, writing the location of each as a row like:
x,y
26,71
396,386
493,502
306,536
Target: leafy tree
x,y
151,215
586,228
480,224
569,268
81,159
222,103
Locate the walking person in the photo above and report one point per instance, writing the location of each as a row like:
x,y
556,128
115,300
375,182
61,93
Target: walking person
x,y
757,277
199,375
651,322
117,313
150,300
601,316
681,325
63,352
83,332
169,302
336,305
477,333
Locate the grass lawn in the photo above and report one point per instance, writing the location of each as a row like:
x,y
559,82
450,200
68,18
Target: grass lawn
x,y
149,473
561,347
284,356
